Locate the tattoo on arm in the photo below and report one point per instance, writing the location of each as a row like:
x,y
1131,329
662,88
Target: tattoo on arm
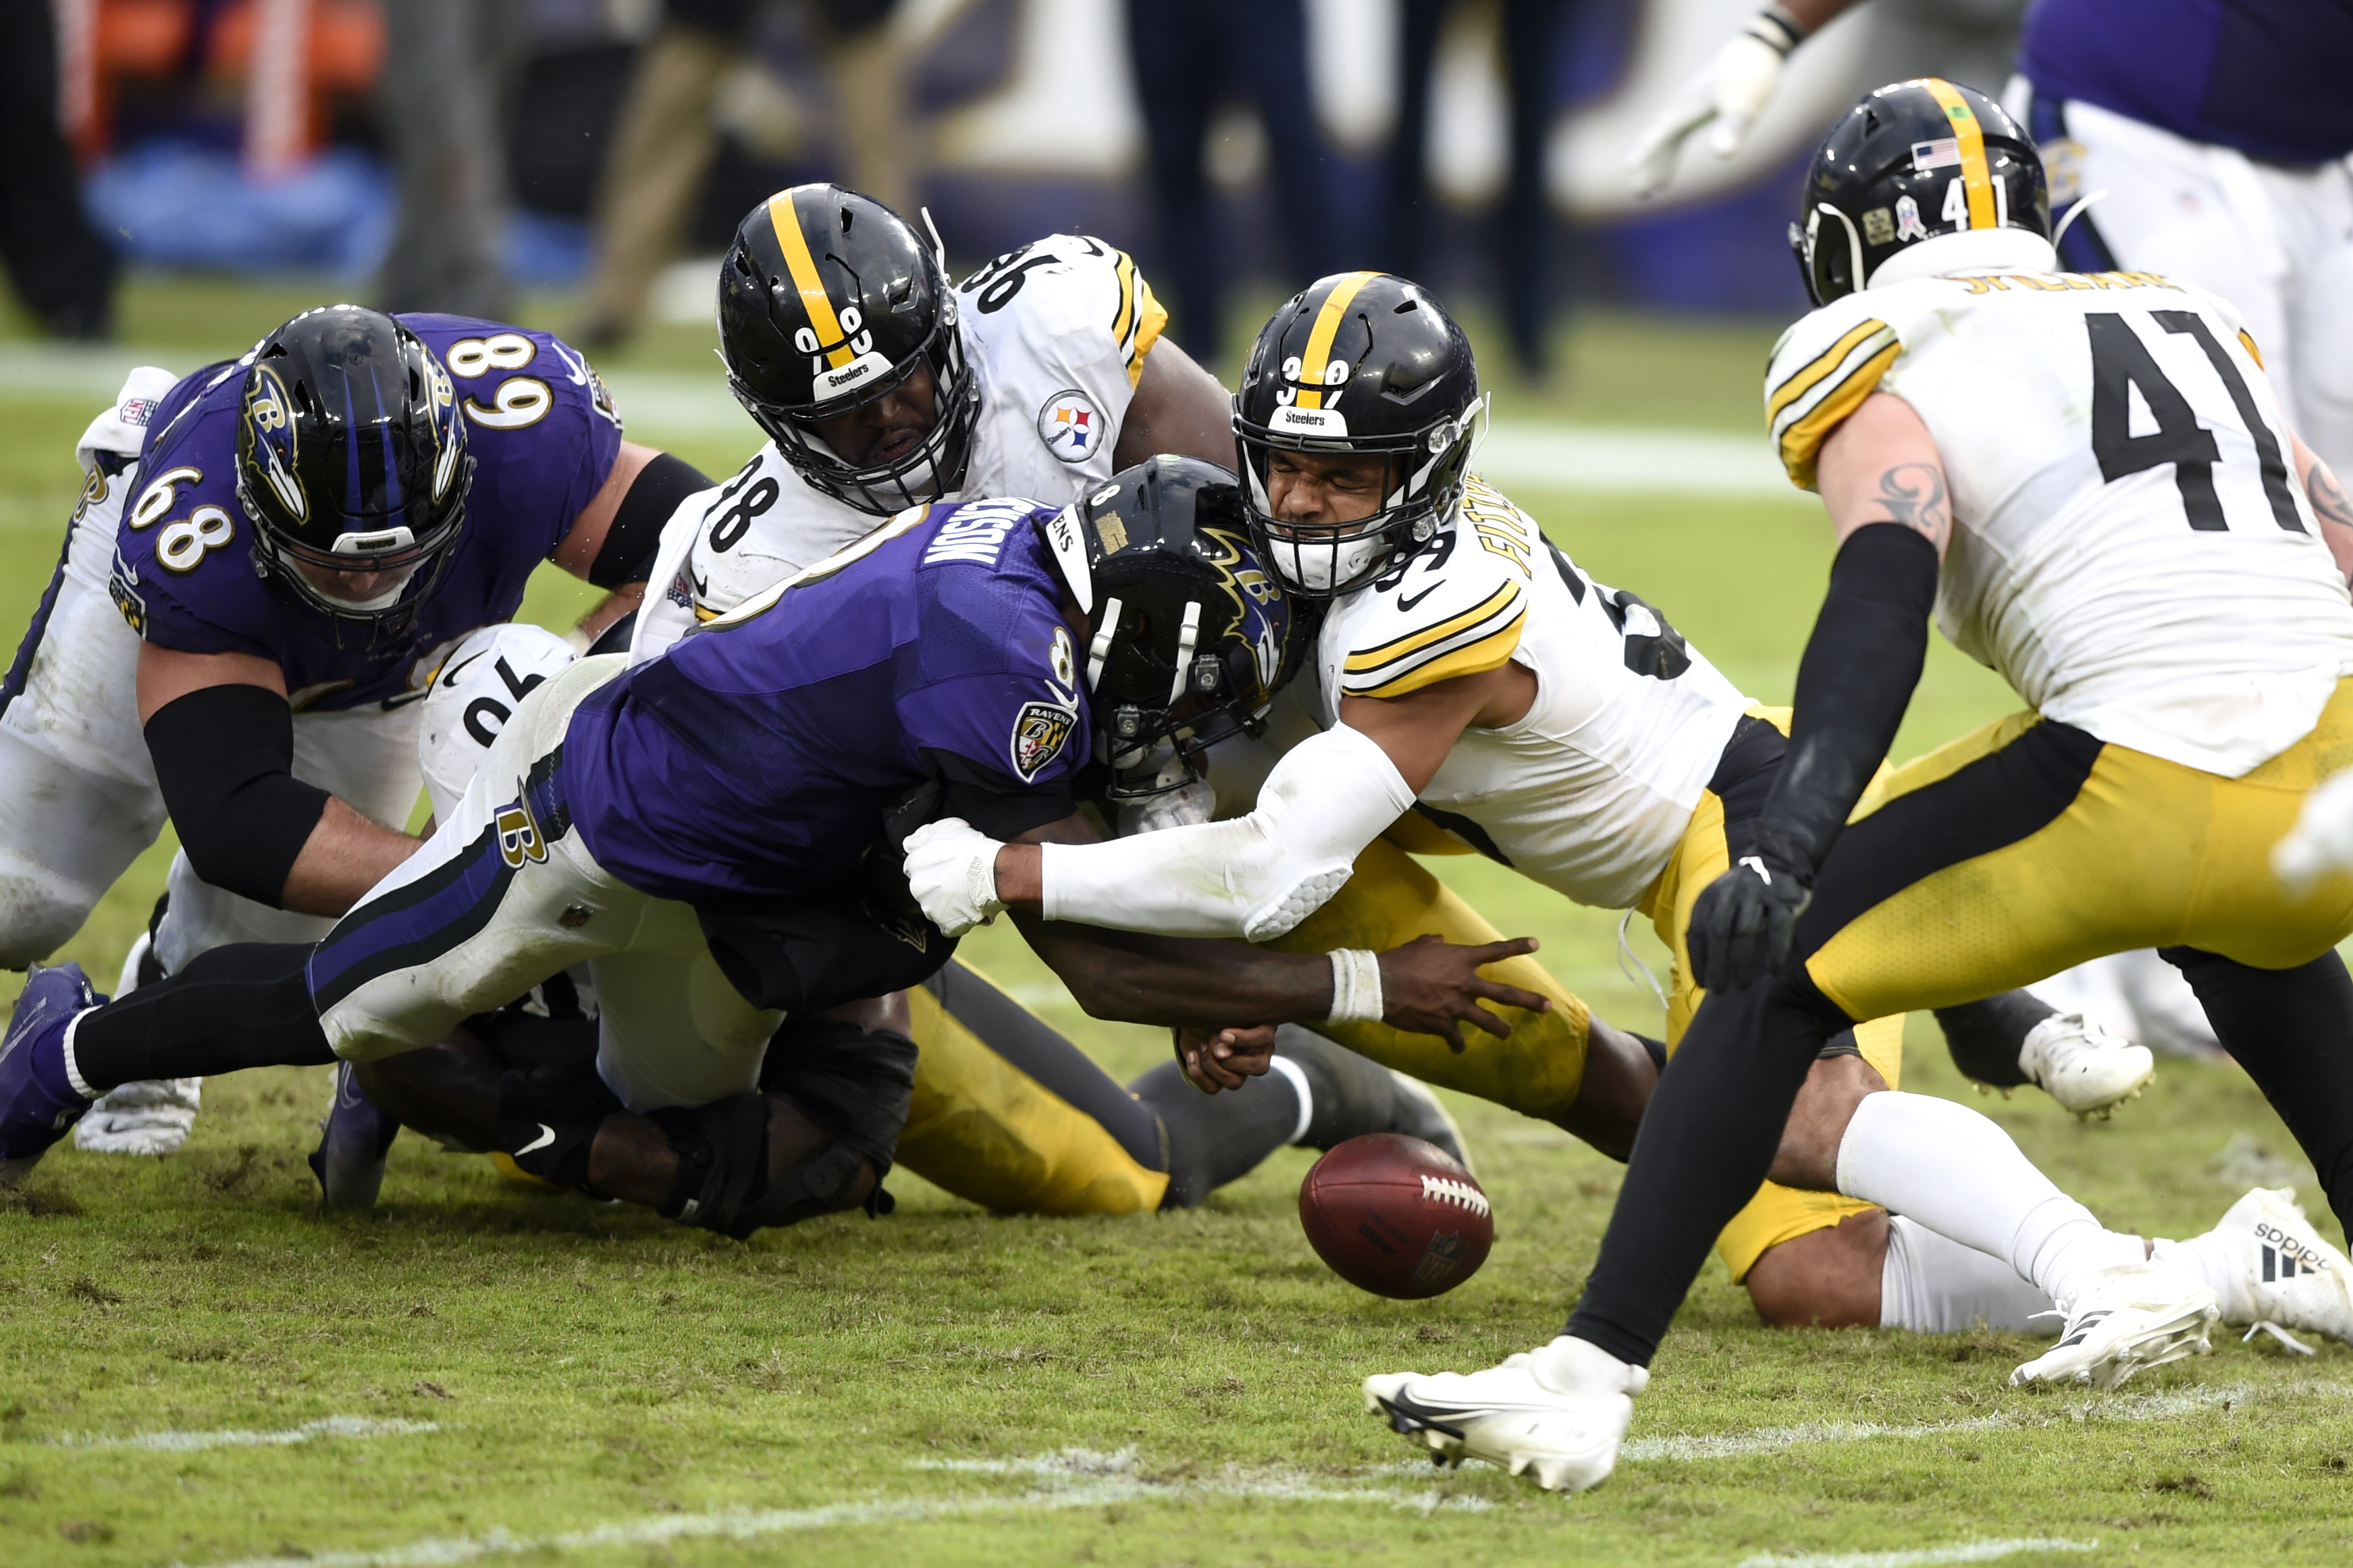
x,y
2328,497
1913,495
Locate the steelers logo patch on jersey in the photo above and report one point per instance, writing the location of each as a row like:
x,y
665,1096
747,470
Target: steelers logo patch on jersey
x,y
1038,732
1071,426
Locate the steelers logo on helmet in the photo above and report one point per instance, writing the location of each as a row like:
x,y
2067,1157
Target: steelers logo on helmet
x,y
1361,389
829,304
1921,177
352,465
1191,633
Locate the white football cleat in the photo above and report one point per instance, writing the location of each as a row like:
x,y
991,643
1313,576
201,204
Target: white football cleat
x,y
2084,1067
1558,1412
150,1118
2124,1320
2291,1277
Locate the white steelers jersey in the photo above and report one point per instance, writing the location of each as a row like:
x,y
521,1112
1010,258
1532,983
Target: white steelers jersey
x,y
1055,333
1592,790
2130,549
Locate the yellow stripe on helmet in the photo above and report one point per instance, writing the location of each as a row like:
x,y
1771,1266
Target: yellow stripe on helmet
x,y
1969,133
1317,360
803,266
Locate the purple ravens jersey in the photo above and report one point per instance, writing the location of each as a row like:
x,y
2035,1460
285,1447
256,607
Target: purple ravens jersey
x,y
758,758
543,436
2266,77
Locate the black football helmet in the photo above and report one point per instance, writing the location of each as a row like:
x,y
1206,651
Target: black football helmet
x,y
351,458
1913,162
827,301
1192,634
1360,363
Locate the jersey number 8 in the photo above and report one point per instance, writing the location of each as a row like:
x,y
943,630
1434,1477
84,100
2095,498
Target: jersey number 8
x,y
183,545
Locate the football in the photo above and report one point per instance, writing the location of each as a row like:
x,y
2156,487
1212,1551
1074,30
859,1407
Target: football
x,y
1395,1217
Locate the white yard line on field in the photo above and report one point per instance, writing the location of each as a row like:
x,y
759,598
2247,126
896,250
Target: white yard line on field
x,y
675,404
1073,1478
310,1431
1774,1439
1967,1552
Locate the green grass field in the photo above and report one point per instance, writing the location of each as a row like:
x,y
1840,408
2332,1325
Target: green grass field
x,y
196,1367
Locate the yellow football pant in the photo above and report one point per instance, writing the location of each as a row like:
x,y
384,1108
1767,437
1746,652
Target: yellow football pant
x,y
2028,847
1777,1213
1537,1071
991,1133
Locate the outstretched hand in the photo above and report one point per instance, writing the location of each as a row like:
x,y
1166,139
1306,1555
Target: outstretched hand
x,y
1430,986
1743,923
1213,1059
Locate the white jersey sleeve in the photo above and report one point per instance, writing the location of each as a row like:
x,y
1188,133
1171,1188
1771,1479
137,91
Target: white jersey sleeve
x,y
2131,548
1590,791
1057,332
724,544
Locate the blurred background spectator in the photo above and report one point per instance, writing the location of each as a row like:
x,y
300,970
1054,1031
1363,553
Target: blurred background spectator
x,y
582,161
447,76
1190,60
63,270
666,135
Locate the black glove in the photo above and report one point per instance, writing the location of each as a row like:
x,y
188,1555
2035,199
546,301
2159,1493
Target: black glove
x,y
1742,925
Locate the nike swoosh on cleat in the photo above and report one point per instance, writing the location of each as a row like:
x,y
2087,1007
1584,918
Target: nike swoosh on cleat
x,y
1406,1416
546,1136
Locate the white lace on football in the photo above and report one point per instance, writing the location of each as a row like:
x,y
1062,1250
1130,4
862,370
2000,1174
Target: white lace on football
x,y
1447,1190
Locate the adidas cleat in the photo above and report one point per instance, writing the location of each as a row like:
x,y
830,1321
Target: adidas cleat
x,y
2083,1066
352,1143
1419,1113
2123,1321
37,1100
2292,1278
1557,1414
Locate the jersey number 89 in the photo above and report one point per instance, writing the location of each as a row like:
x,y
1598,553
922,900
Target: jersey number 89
x,y
519,400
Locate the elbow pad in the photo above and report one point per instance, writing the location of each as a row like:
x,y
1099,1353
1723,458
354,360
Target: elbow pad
x,y
1854,684
225,762
630,545
1255,877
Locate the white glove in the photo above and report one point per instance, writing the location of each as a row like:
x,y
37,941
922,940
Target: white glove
x,y
2322,840
1731,91
952,868
1192,802
145,1118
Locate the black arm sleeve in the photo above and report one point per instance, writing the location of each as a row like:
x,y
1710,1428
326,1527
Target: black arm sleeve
x,y
1854,684
224,759
627,554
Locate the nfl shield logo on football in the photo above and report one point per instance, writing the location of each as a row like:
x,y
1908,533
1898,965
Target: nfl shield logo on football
x,y
1071,426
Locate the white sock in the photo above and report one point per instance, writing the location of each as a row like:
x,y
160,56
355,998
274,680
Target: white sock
x,y
1296,1076
1960,1175
73,1068
2213,1259
1933,1285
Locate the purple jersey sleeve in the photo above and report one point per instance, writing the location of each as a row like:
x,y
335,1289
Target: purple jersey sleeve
x,y
1007,704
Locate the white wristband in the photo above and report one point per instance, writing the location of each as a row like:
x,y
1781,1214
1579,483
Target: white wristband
x,y
1356,987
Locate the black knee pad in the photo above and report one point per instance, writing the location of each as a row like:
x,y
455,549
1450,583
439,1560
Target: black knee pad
x,y
548,1119
723,1159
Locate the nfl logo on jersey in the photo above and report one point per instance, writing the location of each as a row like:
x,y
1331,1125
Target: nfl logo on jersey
x,y
1070,425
